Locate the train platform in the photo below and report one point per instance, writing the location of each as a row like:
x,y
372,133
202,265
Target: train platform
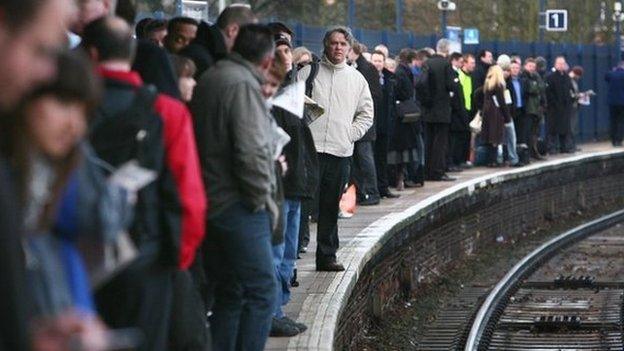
x,y
321,296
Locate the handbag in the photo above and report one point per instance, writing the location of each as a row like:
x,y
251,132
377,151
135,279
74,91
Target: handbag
x,y
477,123
409,111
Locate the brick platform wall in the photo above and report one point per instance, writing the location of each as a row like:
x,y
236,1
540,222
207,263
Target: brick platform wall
x,y
469,221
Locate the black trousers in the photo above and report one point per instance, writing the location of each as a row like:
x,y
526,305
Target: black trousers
x,y
491,154
533,132
459,148
333,173
616,124
436,147
363,170
559,143
304,223
522,123
381,162
189,325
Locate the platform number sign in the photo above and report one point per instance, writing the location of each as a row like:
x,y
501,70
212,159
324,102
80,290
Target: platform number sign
x,y
557,20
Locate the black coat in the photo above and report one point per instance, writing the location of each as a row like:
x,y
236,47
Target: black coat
x,y
207,49
479,74
301,180
460,118
495,114
560,103
371,75
440,78
477,99
404,135
385,114
154,66
13,287
534,94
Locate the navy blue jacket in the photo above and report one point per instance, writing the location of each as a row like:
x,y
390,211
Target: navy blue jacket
x,y
615,79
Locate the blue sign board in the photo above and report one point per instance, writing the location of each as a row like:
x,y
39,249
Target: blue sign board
x,y
453,33
471,36
557,20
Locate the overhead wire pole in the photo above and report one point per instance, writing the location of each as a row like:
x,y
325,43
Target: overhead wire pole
x,y
618,39
351,14
617,18
541,19
399,15
443,21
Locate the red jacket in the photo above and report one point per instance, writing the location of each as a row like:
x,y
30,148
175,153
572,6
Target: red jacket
x,y
183,162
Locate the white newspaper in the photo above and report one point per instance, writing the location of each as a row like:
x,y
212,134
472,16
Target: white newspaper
x,y
281,140
132,177
508,100
292,99
584,98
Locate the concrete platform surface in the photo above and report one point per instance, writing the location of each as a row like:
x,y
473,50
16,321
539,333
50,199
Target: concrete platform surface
x,y
318,299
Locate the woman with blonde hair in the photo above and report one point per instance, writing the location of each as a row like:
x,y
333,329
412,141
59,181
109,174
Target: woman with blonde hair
x,y
301,56
495,112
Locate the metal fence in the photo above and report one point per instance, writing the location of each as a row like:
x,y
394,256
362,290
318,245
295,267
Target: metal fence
x,y
595,60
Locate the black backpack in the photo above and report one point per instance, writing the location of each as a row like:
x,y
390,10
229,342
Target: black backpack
x,y
423,89
126,127
120,135
308,115
309,84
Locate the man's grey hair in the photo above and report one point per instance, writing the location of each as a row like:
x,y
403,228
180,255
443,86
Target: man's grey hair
x,y
443,46
346,31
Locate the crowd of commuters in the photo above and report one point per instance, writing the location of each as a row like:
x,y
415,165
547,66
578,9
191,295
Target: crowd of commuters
x,y
153,197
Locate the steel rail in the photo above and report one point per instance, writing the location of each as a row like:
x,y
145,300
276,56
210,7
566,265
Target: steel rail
x,y
482,327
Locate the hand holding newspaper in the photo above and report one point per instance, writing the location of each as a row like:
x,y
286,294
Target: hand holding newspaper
x,y
294,100
291,99
584,97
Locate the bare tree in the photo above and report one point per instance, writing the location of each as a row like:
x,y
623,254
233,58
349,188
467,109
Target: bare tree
x,y
509,20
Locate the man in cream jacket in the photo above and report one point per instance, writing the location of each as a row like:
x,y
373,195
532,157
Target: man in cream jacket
x,y
344,94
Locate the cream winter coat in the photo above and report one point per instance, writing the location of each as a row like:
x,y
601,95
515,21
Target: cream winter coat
x,y
344,94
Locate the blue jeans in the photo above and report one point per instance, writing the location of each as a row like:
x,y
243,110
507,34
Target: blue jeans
x,y
240,265
285,254
510,141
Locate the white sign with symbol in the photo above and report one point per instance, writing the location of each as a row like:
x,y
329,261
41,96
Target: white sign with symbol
x,y
197,10
471,36
556,20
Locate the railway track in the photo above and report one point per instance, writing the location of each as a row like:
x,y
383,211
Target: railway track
x,y
567,294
